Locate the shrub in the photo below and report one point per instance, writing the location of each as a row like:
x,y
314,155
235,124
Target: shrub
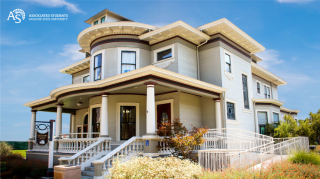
x,y
29,168
20,152
145,167
318,149
5,148
301,157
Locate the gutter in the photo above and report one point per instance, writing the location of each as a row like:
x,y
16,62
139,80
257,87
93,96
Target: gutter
x,y
198,65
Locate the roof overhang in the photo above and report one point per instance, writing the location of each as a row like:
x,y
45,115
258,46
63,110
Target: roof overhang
x,y
231,31
76,67
159,75
289,110
106,11
256,58
178,28
123,27
265,74
268,101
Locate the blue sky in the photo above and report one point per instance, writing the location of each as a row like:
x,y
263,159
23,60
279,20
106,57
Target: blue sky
x,y
32,52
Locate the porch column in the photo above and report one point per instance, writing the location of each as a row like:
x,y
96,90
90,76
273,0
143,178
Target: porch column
x,y
104,116
32,128
72,121
218,113
150,138
59,120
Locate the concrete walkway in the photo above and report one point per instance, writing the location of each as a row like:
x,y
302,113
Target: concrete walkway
x,y
267,163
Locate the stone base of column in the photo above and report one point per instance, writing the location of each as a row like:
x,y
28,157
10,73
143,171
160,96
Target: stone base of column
x,y
150,147
98,171
30,144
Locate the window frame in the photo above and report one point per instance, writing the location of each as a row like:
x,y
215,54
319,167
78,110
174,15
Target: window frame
x,y
265,90
234,109
276,123
259,93
257,119
232,121
120,49
102,18
156,51
248,97
94,68
135,60
85,75
226,63
96,22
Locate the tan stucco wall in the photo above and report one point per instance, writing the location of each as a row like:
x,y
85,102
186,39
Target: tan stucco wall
x,y
78,77
190,110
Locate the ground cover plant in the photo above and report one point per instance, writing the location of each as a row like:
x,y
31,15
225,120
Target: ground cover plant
x,y
20,152
301,157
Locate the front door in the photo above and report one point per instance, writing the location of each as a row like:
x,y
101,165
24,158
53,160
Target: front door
x,y
127,122
85,130
163,114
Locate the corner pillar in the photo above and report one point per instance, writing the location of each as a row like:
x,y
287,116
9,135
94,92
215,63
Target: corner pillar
x,y
218,113
104,116
58,125
32,129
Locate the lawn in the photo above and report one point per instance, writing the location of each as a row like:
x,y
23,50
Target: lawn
x,y
21,152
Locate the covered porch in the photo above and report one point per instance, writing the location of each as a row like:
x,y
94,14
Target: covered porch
x,y
127,105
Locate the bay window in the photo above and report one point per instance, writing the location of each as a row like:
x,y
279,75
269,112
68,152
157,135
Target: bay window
x,y
128,61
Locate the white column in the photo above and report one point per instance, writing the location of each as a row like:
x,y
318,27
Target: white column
x,y
59,120
104,116
218,113
72,122
32,125
151,114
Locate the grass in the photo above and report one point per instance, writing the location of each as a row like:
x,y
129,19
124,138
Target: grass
x,y
21,152
301,157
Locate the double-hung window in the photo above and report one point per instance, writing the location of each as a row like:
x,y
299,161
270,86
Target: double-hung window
x,y
97,67
266,92
258,87
128,61
228,63
245,91
96,22
231,111
262,120
103,19
164,54
275,119
86,79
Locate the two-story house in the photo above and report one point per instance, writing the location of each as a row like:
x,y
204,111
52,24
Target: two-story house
x,y
136,76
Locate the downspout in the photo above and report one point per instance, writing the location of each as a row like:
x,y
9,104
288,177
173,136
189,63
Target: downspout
x,y
224,109
198,65
254,117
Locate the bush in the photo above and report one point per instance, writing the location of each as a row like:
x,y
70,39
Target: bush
x,y
5,148
145,167
318,149
29,168
301,157
20,152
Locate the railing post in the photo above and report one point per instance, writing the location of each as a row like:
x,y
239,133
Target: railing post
x,y
98,168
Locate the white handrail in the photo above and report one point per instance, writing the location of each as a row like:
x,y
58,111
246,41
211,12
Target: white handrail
x,y
75,135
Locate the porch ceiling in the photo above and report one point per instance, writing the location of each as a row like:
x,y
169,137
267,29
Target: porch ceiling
x,y
127,83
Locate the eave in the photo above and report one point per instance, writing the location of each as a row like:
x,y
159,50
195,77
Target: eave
x,y
231,31
178,28
265,74
105,11
289,110
76,67
268,101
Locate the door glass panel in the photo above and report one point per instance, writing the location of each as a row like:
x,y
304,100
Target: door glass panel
x,y
96,121
127,122
163,114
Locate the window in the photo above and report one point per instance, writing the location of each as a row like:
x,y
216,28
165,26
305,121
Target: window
x,y
228,63
262,121
276,119
266,92
245,91
231,111
96,22
86,79
95,121
103,19
128,61
164,54
97,67
258,87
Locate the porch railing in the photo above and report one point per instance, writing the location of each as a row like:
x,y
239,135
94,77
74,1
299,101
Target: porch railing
x,y
74,145
79,135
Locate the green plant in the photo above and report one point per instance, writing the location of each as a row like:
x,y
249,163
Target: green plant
x,y
287,128
301,157
5,148
181,139
20,152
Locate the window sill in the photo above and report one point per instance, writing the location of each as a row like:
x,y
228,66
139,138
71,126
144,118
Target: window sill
x,y
230,76
164,63
247,111
230,121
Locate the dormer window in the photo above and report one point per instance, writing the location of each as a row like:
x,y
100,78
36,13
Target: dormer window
x,y
228,63
96,22
97,67
164,54
103,19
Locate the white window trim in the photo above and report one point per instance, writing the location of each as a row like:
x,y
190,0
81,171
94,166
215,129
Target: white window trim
x,y
277,113
164,102
90,116
92,75
231,121
249,96
263,110
225,61
264,91
155,52
99,19
261,85
120,49
86,75
118,118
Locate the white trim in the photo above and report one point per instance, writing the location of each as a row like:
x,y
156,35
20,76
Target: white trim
x,y
278,114
120,49
118,117
226,52
236,120
259,94
164,102
92,75
90,116
264,84
230,76
263,110
247,111
84,76
155,52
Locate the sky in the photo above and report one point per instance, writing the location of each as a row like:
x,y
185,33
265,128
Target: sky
x,y
33,52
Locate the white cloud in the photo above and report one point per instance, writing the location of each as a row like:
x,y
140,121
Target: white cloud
x,y
10,41
58,3
269,58
294,1
296,79
72,51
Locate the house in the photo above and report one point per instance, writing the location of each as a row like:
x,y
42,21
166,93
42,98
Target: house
x,y
136,76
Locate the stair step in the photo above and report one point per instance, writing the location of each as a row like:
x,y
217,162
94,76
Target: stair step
x,y
87,173
89,169
86,177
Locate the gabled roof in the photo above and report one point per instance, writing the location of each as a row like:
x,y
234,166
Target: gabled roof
x,y
265,74
227,28
106,11
178,28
